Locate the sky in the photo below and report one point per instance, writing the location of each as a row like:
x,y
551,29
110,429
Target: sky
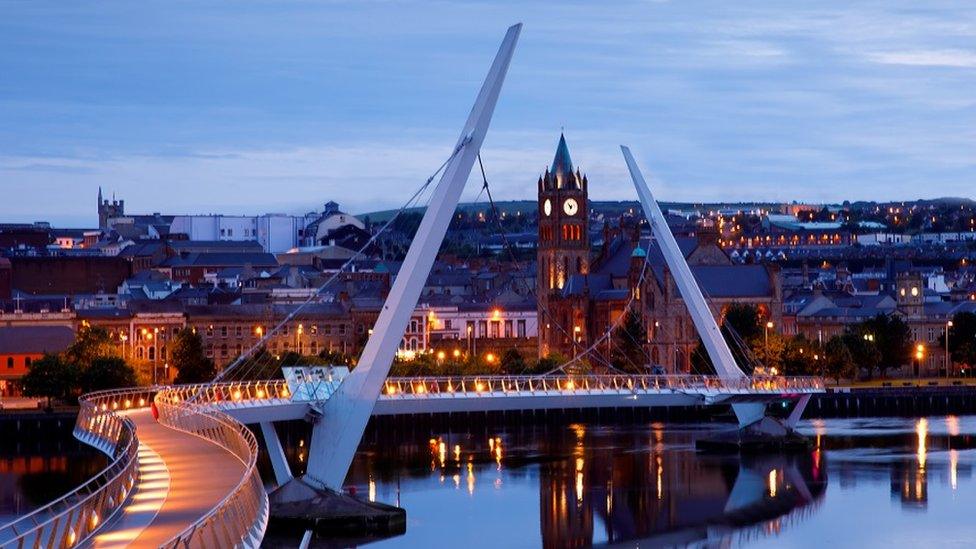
x,y
279,106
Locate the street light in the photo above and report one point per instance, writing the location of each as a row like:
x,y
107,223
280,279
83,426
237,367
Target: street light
x,y
769,326
919,355
948,325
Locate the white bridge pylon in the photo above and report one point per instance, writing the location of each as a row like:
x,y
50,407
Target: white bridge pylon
x,y
701,315
337,434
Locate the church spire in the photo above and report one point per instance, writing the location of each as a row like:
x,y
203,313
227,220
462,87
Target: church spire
x,y
99,195
562,164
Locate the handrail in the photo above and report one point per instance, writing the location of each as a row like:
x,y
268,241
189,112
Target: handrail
x,y
238,520
76,516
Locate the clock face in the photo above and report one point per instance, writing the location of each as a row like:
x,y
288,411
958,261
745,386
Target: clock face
x,y
570,206
547,207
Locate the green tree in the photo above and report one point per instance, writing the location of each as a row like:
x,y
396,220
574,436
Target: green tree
x,y
512,362
863,349
893,338
769,351
91,342
107,373
51,378
629,343
798,356
962,339
838,361
744,319
187,356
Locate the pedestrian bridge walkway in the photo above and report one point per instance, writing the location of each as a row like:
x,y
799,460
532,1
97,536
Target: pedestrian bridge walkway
x,y
182,464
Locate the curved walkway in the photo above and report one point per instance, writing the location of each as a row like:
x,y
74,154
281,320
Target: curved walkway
x,y
200,475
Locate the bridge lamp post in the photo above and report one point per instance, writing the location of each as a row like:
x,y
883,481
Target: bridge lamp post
x,y
947,364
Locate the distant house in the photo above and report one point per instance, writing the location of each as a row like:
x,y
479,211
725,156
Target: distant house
x,y
21,346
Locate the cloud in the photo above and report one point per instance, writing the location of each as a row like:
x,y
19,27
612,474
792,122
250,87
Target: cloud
x,y
927,58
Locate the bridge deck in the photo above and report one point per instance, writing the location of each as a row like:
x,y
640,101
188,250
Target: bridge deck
x,y
199,474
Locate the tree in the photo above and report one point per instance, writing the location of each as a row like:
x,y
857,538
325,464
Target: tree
x,y
769,351
962,339
743,318
629,343
893,338
50,377
863,347
838,360
512,362
798,356
91,342
187,356
107,373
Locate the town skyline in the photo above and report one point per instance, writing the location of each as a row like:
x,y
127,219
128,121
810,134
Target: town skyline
x,y
729,103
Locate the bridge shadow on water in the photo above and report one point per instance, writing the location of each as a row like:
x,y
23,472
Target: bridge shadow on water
x,y
579,484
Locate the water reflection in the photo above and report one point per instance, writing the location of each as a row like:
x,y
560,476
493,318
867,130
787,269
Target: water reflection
x,y
580,485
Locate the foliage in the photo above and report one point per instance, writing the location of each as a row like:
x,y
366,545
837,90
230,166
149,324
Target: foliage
x,y
512,362
107,373
629,343
51,377
187,356
893,339
962,338
769,351
864,350
91,342
800,356
838,361
744,319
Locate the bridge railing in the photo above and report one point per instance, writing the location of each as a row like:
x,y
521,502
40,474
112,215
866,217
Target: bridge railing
x,y
76,516
428,387
231,395
241,517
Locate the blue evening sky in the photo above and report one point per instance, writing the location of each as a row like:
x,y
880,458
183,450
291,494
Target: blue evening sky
x,y
279,106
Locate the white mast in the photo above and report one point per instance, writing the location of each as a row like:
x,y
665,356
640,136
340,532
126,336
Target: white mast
x,y
337,434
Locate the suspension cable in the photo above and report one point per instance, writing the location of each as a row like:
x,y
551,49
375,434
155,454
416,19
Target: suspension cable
x,y
245,359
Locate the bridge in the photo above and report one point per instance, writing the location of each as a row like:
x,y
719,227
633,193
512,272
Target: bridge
x,y
182,462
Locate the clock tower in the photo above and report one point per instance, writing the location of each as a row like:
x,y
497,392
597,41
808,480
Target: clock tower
x,y
564,244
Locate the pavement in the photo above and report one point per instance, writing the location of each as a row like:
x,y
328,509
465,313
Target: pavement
x,y
182,477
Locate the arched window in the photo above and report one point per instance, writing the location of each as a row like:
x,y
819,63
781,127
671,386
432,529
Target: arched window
x,y
152,353
10,362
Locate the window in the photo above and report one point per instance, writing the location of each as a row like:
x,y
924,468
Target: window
x,y
313,329
27,361
328,329
152,353
482,328
139,353
10,362
494,328
209,350
470,329
520,327
447,324
238,331
284,330
223,331
508,328
223,350
342,329
210,330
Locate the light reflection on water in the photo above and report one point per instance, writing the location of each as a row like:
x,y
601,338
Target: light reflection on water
x,y
892,482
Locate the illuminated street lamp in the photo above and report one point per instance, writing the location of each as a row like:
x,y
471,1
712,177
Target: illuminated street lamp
x,y
769,326
919,355
947,363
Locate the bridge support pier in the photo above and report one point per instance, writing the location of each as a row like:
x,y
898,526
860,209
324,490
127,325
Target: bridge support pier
x,y
276,452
